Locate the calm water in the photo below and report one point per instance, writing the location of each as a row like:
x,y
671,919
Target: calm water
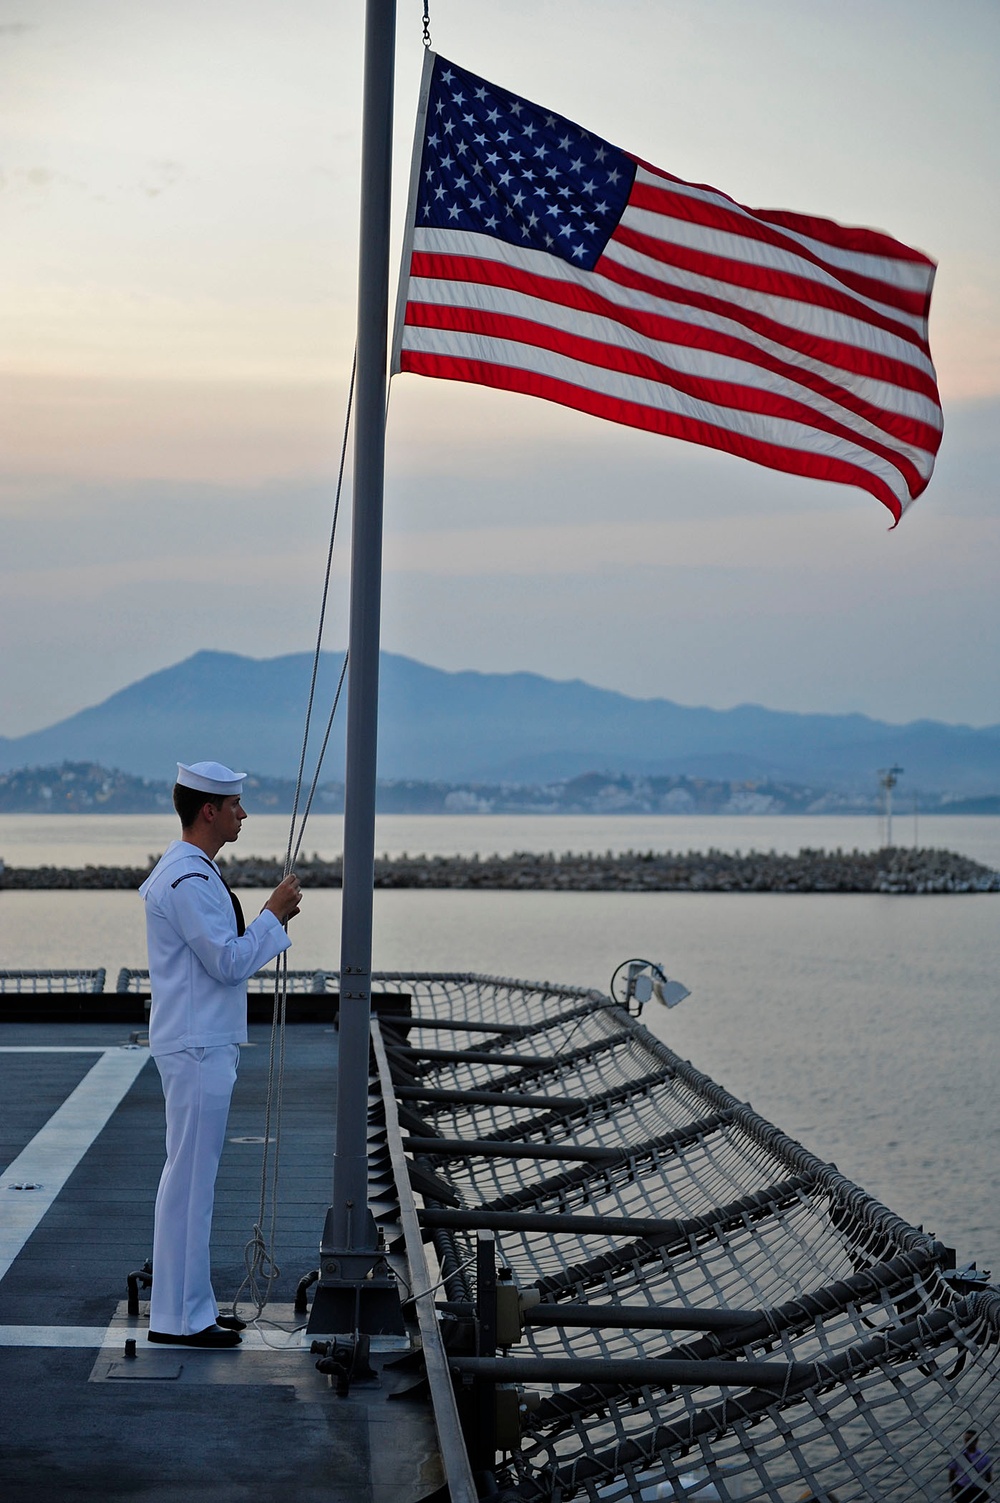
x,y
866,1026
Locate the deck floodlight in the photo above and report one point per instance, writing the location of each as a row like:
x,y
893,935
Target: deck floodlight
x,y
670,992
636,981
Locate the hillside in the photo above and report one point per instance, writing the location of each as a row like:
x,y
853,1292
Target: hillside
x,y
495,728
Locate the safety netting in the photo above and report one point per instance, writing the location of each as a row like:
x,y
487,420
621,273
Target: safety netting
x,y
534,1109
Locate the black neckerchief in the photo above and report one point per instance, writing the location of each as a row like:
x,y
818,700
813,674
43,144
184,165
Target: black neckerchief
x,y
241,923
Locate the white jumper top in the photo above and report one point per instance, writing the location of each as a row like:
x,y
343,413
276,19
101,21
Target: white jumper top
x,y
198,964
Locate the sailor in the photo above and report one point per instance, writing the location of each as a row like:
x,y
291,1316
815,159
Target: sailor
x,y
201,954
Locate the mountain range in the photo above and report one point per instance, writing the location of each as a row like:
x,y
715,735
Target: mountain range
x,y
493,727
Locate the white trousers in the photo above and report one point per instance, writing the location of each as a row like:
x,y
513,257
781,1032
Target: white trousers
x,y
197,1088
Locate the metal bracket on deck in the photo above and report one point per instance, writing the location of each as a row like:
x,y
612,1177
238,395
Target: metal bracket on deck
x,y
143,1276
970,1279
346,1364
357,1290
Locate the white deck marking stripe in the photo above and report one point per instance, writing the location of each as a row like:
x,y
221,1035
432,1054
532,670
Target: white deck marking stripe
x,y
56,1149
115,1336
66,1336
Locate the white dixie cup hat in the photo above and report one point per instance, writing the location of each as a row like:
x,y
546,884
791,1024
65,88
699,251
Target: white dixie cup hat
x,y
210,777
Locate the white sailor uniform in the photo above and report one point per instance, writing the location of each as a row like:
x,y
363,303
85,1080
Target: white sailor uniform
x,y
199,966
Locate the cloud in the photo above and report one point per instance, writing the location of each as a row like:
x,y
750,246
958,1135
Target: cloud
x,y
208,428
37,181
162,175
156,178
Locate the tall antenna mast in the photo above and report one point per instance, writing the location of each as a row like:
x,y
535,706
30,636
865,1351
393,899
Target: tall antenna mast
x,y
888,777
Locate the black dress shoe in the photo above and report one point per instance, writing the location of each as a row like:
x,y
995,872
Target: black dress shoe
x,y
230,1322
212,1337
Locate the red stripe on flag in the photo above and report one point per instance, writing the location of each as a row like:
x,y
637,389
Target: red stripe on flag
x,y
633,415
642,367
465,269
697,211
846,237
849,357
765,279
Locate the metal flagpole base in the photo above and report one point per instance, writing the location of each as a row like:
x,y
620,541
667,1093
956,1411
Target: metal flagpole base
x,y
366,1307
357,1291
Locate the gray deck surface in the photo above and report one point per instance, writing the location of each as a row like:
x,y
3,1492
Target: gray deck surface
x,y
174,1424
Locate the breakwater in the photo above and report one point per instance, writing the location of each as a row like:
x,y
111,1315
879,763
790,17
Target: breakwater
x,y
894,870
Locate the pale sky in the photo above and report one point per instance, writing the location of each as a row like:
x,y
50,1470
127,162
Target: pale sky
x,y
178,192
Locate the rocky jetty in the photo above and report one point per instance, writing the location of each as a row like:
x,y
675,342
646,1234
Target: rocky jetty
x,y
894,870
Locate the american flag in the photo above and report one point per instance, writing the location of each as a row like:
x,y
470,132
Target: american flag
x,y
542,259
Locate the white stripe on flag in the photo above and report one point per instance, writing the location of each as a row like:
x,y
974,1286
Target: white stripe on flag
x,y
913,276
772,430
882,394
796,315
799,318
709,241
706,365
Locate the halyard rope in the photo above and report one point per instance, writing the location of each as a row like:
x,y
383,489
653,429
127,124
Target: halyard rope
x,y
258,1253
319,634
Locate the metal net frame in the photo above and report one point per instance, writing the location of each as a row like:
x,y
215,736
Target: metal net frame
x,y
889,1355
131,980
45,983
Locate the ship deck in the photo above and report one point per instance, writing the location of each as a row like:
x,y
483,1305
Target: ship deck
x,y
698,1305
82,1122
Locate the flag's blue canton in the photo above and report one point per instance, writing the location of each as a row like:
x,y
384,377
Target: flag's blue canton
x,y
501,166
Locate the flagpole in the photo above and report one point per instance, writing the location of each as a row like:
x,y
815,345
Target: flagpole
x,y
348,1298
